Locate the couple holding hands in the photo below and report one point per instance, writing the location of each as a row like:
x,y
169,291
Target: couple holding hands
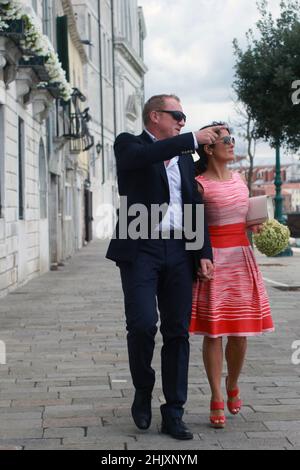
x,y
216,292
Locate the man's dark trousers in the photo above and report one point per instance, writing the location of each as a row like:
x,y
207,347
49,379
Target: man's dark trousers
x,y
162,271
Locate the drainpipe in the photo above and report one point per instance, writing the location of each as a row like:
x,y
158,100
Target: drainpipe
x,y
114,176
113,64
101,91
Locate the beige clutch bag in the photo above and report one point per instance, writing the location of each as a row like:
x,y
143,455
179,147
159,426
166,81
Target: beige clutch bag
x,y
260,210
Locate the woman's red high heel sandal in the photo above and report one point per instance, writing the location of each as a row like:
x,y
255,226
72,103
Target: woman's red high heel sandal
x,y
234,406
218,422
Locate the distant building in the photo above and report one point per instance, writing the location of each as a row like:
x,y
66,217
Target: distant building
x,y
293,172
264,177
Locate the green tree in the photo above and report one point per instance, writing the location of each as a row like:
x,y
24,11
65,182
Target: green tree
x,y
264,75
265,71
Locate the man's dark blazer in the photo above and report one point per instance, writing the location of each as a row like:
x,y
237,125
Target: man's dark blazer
x,y
143,179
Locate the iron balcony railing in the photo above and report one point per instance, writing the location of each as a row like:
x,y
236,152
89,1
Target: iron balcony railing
x,y
72,122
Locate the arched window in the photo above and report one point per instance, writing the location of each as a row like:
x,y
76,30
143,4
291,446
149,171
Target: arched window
x,y
43,181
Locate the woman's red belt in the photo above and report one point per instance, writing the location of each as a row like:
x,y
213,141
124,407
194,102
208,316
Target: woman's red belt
x,y
225,236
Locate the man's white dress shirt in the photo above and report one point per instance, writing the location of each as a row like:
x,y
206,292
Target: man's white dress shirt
x,y
173,219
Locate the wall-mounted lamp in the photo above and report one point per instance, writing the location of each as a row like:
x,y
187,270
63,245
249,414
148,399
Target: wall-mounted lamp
x,y
98,147
87,184
87,42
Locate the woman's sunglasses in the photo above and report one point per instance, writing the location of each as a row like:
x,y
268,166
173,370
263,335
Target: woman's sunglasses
x,y
227,140
177,115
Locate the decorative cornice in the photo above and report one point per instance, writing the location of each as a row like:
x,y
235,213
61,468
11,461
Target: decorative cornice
x,y
41,103
130,55
10,54
25,78
69,11
59,143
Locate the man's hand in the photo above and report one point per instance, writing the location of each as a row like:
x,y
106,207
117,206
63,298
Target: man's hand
x,y
209,135
206,270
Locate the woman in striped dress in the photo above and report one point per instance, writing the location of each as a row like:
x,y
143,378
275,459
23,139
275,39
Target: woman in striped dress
x,y
234,301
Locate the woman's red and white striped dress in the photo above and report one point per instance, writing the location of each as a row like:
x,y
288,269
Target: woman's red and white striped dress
x,y
235,302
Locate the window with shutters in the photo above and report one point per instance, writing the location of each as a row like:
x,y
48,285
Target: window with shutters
x,y
42,181
62,43
21,167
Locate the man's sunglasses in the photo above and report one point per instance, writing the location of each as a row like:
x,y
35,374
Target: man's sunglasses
x,y
177,115
227,140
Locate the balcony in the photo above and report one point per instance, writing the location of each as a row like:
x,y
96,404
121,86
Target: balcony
x,y
72,123
10,51
24,48
15,29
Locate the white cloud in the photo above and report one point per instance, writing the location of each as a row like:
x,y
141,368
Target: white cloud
x,y
189,52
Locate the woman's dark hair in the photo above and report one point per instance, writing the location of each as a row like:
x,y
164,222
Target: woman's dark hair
x,y
201,164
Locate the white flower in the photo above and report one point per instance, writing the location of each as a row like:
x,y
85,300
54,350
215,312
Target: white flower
x,y
35,41
3,25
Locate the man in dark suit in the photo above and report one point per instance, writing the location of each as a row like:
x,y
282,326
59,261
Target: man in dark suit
x,y
157,168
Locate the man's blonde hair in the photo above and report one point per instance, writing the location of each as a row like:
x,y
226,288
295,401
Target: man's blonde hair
x,y
155,103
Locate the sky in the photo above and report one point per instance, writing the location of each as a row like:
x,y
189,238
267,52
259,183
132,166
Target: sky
x,y
189,52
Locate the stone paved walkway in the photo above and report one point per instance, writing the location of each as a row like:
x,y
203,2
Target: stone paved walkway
x,y
66,383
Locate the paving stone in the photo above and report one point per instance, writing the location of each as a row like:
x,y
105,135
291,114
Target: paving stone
x,y
13,414
289,401
282,425
100,439
81,421
42,444
20,433
171,444
277,408
64,432
266,435
283,416
5,403
98,446
10,447
256,444
36,403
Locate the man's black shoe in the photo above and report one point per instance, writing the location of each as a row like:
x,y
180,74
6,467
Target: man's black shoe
x,y
176,428
141,409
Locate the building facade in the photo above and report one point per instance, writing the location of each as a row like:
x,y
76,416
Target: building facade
x,y
58,186
23,167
